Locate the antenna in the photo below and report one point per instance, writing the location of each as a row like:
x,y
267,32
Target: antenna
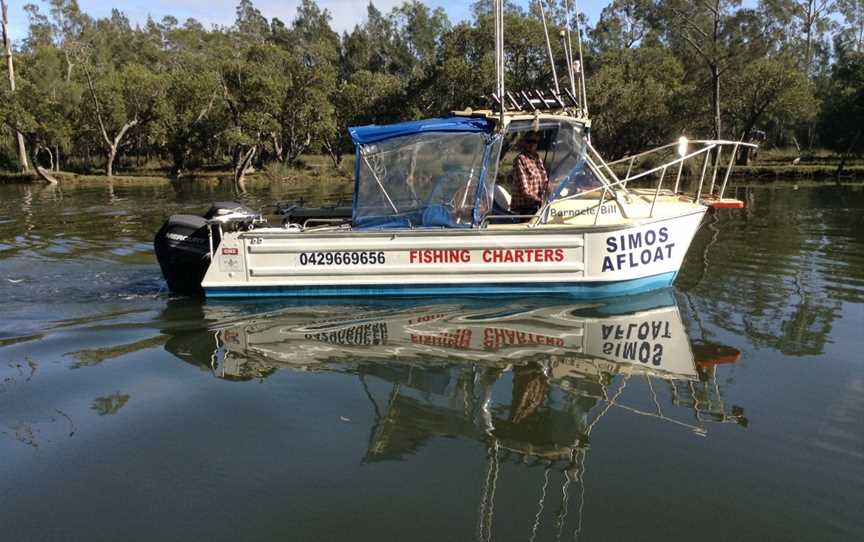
x,y
499,55
549,46
568,49
581,61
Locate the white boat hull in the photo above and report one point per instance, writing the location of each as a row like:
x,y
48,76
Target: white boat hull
x,y
586,262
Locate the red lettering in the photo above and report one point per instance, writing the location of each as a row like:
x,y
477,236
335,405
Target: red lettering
x,y
518,255
487,258
559,254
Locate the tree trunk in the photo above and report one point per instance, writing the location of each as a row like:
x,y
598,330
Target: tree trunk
x,y
41,172
743,156
808,47
7,42
50,158
332,148
109,165
243,164
114,146
715,101
845,157
277,147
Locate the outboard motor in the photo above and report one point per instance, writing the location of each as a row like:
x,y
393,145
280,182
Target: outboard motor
x,y
182,246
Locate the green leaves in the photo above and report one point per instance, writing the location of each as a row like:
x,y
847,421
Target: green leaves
x,y
194,96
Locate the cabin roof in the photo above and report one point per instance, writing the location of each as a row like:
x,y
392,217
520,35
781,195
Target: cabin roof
x,y
373,133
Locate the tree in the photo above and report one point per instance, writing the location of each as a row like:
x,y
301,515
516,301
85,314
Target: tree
x,y
852,32
768,92
842,120
623,24
250,22
803,23
10,68
711,30
122,100
634,93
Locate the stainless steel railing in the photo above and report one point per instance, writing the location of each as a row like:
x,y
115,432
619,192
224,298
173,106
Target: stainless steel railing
x,y
711,152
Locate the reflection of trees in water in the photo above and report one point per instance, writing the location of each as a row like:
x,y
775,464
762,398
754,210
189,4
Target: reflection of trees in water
x,y
779,272
546,425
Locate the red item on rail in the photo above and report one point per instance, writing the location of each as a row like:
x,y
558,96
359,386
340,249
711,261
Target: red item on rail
x,y
724,203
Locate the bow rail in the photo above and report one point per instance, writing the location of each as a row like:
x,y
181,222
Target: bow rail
x,y
710,151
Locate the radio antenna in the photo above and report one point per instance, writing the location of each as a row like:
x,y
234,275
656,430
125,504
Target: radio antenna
x,y
549,47
582,87
499,55
568,50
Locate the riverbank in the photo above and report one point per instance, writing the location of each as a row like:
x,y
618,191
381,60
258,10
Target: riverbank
x,y
309,170
770,166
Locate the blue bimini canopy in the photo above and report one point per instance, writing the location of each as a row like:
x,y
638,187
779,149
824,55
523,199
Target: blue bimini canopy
x,y
373,133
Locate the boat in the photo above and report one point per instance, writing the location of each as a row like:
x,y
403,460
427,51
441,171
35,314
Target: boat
x,y
432,214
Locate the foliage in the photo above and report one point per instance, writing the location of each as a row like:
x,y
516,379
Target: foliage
x,y
634,95
264,90
842,119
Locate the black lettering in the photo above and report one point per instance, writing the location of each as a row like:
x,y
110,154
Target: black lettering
x,y
645,352
658,355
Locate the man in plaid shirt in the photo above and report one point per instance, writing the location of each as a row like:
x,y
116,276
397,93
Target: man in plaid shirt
x,y
528,178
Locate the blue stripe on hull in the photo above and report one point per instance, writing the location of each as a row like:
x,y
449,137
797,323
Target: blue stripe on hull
x,y
583,290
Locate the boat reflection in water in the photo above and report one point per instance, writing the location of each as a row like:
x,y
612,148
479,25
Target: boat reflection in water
x,y
429,370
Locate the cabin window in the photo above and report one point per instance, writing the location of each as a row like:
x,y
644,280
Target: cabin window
x,y
562,148
421,180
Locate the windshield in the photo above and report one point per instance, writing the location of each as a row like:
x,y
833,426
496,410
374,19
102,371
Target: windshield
x,y
555,153
419,180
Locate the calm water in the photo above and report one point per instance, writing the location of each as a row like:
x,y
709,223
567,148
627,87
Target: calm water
x,y
730,407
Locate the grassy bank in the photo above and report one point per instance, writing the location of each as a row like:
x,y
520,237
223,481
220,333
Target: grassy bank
x,y
769,165
788,164
309,169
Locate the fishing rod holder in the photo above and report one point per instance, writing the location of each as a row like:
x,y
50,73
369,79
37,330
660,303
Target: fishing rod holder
x,y
536,100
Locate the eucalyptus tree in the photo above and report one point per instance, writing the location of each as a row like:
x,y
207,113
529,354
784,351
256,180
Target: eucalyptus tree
x,y
623,24
803,25
842,117
120,100
307,114
852,30
718,34
195,112
769,94
465,70
636,95
10,71
52,103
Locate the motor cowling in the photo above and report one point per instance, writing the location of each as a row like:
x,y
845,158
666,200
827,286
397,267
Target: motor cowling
x,y
182,247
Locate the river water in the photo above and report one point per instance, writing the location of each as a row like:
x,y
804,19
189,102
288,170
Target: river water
x,y
729,407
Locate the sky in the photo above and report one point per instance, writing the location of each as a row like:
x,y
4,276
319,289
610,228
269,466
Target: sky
x,y
345,13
